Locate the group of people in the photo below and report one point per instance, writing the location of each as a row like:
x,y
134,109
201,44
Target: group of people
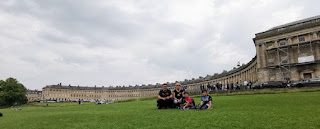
x,y
180,99
231,86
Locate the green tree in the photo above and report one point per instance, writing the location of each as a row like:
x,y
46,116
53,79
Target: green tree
x,y
12,92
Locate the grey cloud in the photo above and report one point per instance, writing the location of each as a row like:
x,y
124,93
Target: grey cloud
x,y
132,42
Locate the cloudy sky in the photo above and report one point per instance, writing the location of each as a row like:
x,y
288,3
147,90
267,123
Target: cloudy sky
x,y
128,42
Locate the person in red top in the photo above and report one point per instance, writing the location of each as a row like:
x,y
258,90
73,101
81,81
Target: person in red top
x,y
189,101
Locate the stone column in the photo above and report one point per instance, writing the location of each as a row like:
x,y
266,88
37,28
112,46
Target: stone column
x,y
258,56
247,75
263,55
317,51
314,36
251,74
291,56
243,76
233,78
289,40
276,44
238,77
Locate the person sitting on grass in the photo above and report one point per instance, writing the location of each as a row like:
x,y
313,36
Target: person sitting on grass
x,y
206,101
178,95
165,98
189,102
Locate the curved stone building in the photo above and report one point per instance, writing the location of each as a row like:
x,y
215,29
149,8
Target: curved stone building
x,y
286,52
289,52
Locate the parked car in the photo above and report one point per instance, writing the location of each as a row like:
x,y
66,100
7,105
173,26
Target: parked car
x,y
273,84
307,83
257,86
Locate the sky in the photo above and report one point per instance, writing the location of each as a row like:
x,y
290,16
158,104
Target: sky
x,y
129,42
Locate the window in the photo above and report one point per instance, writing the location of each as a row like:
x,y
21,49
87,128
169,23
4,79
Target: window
x,y
303,54
301,39
307,76
284,60
282,42
271,61
269,45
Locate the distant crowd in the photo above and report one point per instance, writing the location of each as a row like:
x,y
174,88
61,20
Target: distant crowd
x,y
180,99
228,86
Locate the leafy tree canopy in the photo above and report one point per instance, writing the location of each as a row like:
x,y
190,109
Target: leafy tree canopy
x,y
12,92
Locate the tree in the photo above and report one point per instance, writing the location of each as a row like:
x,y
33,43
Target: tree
x,y
12,92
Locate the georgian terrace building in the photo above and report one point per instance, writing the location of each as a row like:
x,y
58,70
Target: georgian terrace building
x,y
34,95
289,52
286,52
75,93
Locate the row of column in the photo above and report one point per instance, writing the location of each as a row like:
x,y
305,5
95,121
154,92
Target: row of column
x,y
240,77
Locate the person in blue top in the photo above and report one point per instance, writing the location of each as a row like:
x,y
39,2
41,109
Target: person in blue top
x,y
206,101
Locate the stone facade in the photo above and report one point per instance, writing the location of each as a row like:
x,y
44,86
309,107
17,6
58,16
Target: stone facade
x,y
34,95
286,52
289,52
60,92
76,93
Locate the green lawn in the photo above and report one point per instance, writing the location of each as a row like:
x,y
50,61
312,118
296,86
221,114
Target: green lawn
x,y
284,110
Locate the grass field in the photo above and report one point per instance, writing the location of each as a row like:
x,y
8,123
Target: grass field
x,y
282,110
